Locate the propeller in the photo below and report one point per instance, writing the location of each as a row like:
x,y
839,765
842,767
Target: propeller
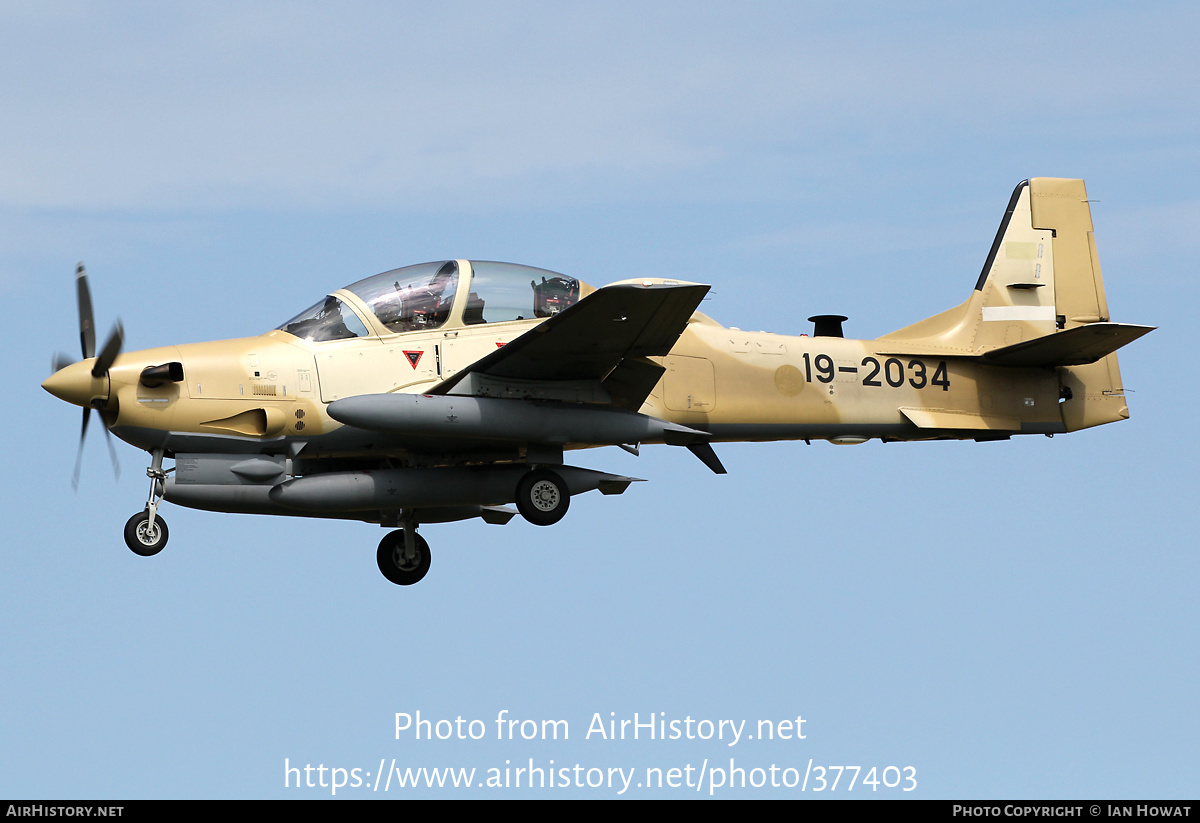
x,y
104,361
60,361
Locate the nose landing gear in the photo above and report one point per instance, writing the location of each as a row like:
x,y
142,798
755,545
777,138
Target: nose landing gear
x,y
146,533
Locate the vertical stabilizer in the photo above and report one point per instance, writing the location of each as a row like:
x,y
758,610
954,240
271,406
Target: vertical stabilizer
x,y
1041,276
1014,297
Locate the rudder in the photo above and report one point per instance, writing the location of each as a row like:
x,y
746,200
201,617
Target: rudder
x,y
1094,392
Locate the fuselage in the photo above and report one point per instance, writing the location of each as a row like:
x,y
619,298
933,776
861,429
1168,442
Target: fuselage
x,y
447,390
269,394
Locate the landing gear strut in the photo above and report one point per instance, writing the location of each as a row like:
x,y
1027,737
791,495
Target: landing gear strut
x,y
146,533
403,556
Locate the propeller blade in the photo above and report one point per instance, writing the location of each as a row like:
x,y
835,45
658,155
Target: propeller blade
x,y
87,411
60,361
112,347
112,453
87,323
104,361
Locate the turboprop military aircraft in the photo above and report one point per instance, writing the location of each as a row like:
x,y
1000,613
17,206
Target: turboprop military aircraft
x,y
449,390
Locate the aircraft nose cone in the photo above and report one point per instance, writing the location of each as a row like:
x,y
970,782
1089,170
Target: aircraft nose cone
x,y
75,384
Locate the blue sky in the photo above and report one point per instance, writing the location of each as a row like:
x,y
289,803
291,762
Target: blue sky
x,y
1011,619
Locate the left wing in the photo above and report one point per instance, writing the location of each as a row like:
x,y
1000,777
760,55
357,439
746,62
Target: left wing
x,y
595,351
593,356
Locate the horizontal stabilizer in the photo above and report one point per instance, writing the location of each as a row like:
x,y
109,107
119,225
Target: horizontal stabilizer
x,y
1073,347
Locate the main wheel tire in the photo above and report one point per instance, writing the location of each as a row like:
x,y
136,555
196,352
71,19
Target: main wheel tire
x,y
143,540
542,497
395,566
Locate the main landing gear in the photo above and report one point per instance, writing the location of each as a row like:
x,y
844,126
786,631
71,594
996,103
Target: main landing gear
x,y
403,556
542,497
146,533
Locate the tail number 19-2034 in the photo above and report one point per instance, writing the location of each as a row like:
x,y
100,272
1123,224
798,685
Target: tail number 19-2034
x,y
892,371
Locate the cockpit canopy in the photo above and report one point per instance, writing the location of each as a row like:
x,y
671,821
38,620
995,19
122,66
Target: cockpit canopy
x,y
431,295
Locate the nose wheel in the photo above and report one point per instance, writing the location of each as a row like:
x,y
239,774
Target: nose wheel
x,y
146,537
403,557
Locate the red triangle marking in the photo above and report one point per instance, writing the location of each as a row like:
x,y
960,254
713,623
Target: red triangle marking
x,y
414,357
